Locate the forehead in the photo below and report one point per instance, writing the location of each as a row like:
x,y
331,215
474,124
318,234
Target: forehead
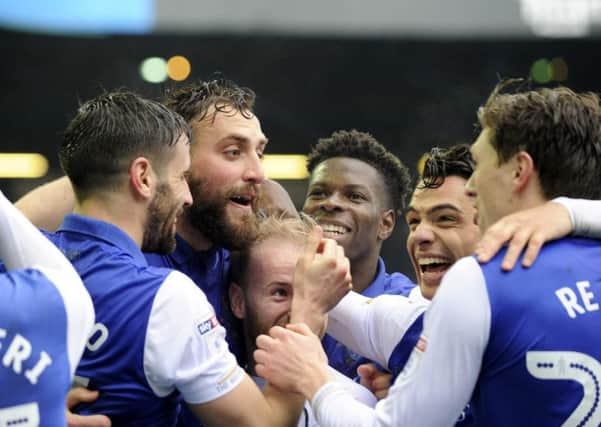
x,y
273,259
217,126
483,144
347,171
451,192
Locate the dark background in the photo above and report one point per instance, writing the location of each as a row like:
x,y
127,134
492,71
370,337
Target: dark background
x,y
410,94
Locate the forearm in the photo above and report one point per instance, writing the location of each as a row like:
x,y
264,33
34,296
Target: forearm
x,y
373,327
585,216
46,206
284,408
333,406
303,311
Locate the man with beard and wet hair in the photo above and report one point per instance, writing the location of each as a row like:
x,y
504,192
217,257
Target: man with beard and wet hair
x,y
155,333
357,188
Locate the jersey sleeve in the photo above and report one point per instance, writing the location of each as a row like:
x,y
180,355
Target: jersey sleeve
x,y
585,215
373,327
23,246
441,374
185,347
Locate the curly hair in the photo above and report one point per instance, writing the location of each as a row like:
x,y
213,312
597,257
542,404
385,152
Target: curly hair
x,y
362,146
195,100
443,162
558,128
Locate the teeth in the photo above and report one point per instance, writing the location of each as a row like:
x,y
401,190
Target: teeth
x,y
430,261
334,229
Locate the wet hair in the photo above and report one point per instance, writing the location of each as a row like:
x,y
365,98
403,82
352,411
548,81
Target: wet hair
x,y
444,162
362,146
558,128
194,101
111,130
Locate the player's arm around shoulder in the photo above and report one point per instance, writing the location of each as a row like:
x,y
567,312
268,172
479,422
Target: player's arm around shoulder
x,y
186,350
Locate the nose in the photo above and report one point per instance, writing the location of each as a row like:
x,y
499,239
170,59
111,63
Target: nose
x,y
187,196
331,203
254,172
423,233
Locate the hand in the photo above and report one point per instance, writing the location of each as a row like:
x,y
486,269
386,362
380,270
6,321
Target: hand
x,y
321,278
376,381
532,227
76,396
292,359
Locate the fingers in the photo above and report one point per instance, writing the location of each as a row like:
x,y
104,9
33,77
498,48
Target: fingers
x,y
366,371
78,395
300,328
516,246
494,238
314,240
74,420
534,246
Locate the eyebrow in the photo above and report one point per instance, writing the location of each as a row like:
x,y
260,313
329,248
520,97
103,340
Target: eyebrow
x,y
436,208
240,139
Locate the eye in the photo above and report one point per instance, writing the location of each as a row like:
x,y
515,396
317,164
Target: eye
x,y
280,293
412,223
447,220
233,153
356,197
260,154
316,193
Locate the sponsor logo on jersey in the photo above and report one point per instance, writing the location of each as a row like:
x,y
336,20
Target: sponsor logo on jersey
x,y
207,325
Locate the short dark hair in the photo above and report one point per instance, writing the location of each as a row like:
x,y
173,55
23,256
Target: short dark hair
x,y
111,130
444,162
194,101
558,128
362,146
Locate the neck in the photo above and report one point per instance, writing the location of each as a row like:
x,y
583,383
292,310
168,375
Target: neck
x,y
192,236
364,271
116,209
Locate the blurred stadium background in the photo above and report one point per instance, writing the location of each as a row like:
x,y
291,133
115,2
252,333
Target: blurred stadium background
x,y
412,73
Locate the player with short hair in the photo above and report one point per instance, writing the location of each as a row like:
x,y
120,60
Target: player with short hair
x,y
356,190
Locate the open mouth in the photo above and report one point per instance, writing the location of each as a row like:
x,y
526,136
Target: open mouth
x,y
330,230
245,201
434,265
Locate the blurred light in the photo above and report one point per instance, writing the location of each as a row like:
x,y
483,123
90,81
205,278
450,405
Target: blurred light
x,y
81,16
285,166
178,68
541,71
154,70
561,18
23,165
559,69
421,163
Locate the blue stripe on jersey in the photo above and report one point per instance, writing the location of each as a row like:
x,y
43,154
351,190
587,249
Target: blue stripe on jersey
x,y
542,363
122,287
33,347
342,358
399,356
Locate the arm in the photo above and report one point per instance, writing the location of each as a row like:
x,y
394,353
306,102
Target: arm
x,y
196,361
374,327
45,206
436,383
533,227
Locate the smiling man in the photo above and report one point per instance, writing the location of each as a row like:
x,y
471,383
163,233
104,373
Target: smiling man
x,y
525,339
356,190
441,217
